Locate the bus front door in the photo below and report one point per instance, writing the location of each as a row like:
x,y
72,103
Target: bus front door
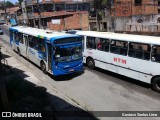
x,y
23,46
14,41
49,57
26,44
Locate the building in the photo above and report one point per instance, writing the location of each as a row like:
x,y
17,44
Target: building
x,y
135,16
131,16
11,12
55,14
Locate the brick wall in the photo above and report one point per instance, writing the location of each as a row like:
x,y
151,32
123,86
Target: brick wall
x,y
128,8
74,21
85,22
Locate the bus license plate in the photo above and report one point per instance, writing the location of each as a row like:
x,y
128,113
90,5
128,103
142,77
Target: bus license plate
x,y
71,70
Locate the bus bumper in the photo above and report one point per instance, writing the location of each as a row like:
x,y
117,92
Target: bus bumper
x,y
57,72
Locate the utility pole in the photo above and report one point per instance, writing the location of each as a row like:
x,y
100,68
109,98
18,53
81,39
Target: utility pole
x,y
39,12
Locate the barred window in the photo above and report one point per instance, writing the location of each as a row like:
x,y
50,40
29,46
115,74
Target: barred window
x,y
138,2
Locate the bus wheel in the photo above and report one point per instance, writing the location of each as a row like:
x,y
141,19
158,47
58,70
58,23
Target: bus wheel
x,y
43,67
156,84
90,63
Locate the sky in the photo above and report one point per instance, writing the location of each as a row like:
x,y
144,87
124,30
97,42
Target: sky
x,y
13,1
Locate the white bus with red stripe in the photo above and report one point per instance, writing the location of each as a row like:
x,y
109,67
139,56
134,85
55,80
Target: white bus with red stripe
x,y
134,56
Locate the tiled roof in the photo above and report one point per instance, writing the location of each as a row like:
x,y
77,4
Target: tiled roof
x,y
13,9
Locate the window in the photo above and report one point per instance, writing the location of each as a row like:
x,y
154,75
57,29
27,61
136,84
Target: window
x,y
59,7
158,20
11,33
103,44
71,7
16,36
41,45
48,7
119,47
139,21
21,38
91,42
138,50
156,53
138,2
31,42
37,43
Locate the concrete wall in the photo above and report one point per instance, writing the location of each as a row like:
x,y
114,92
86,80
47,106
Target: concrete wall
x,y
149,23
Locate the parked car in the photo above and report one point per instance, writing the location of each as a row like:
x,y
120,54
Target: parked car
x,y
1,32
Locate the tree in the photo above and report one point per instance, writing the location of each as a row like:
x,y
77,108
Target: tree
x,y
20,1
9,4
100,6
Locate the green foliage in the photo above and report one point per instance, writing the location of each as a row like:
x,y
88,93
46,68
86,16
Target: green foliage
x,y
20,1
8,4
104,2
99,4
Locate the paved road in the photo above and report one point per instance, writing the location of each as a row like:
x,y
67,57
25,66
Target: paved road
x,y
99,90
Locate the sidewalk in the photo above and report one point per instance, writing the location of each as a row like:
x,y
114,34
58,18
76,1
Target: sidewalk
x,y
59,101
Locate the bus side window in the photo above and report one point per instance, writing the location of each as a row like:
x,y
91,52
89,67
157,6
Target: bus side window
x,y
31,44
156,53
113,46
119,47
41,44
21,38
103,44
138,50
11,33
124,48
16,36
91,42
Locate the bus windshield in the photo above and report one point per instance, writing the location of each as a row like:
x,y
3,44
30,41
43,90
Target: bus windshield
x,y
68,54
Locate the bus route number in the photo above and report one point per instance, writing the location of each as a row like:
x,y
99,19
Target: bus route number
x,y
119,60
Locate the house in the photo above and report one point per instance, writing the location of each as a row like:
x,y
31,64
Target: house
x,y
135,16
55,14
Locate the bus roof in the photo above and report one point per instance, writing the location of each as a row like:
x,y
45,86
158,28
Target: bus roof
x,y
41,33
123,37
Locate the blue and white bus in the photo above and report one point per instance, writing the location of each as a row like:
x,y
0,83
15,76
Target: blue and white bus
x,y
55,52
